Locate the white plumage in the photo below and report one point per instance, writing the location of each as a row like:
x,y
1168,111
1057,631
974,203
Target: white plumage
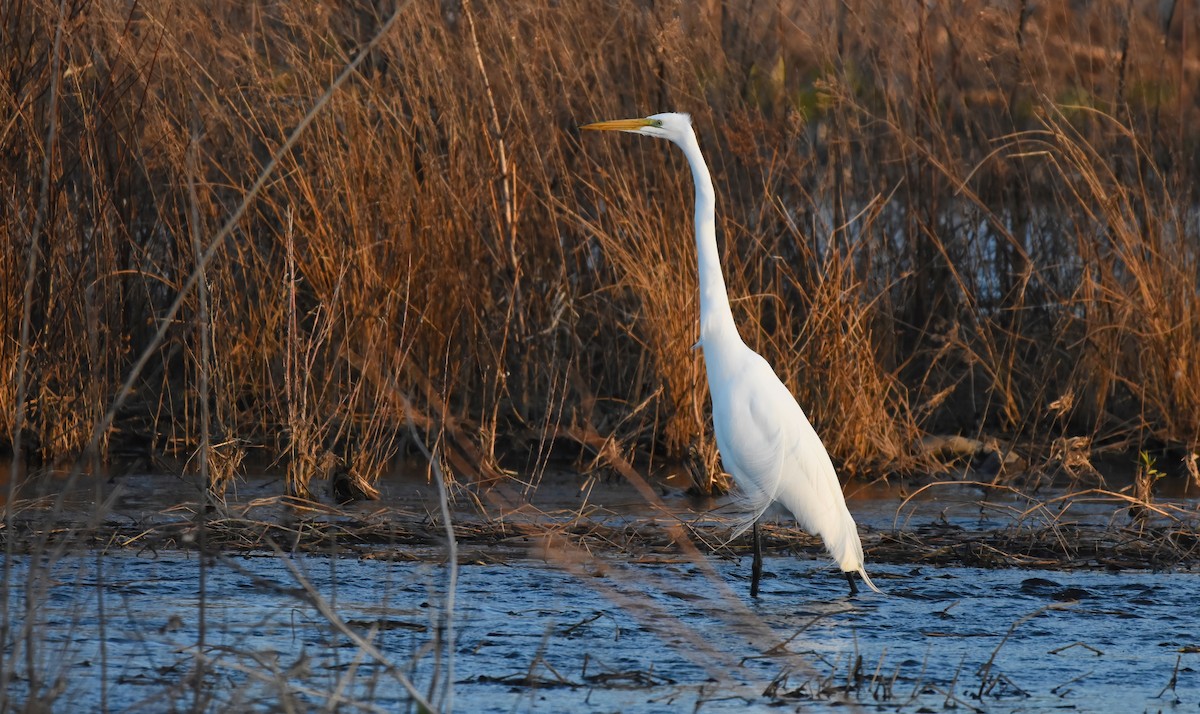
x,y
766,442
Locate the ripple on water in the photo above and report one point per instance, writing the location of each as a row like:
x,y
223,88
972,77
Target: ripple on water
x,y
645,637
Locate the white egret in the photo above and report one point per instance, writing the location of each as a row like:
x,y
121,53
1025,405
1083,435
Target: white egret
x,y
765,441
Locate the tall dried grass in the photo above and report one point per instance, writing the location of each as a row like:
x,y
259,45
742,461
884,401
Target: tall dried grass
x,y
961,217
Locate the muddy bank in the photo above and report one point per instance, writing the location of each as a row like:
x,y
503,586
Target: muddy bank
x,y
963,524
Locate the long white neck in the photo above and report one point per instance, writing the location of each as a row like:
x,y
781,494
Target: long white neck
x,y
716,319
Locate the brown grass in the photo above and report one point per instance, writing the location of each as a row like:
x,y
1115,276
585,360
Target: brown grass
x,y
957,218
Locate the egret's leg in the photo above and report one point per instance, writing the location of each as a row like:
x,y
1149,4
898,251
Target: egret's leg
x,y
850,579
756,568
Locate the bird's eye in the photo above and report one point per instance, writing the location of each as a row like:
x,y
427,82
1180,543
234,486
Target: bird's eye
x,y
656,123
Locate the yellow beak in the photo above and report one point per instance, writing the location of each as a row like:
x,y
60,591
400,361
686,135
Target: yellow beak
x,y
619,125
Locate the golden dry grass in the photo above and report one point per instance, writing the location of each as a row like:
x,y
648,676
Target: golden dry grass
x,y
954,218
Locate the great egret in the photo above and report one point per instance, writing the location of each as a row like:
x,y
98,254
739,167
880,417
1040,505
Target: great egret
x,y
765,441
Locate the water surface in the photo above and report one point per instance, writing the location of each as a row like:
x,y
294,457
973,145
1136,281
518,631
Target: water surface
x,y
604,635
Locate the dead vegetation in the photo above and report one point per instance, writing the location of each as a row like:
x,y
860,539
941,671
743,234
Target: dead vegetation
x,y
968,218
1043,534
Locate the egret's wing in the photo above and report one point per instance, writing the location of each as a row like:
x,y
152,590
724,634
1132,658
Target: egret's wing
x,y
780,456
751,434
810,490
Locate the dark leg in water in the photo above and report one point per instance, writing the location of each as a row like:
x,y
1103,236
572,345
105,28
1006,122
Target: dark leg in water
x,y
850,579
756,568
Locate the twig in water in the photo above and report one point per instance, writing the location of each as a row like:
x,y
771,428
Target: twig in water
x,y
945,611
1061,690
1171,684
585,621
1084,645
538,658
257,672
780,648
307,593
986,669
878,669
954,683
916,690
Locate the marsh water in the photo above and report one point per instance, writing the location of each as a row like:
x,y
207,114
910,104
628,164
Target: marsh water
x,y
522,630
530,637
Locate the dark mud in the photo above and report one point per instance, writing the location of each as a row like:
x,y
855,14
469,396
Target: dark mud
x,y
953,523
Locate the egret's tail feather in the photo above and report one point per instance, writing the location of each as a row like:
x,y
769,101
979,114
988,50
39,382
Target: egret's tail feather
x,y
862,573
744,525
751,504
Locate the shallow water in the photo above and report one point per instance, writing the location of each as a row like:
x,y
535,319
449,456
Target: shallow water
x,y
607,636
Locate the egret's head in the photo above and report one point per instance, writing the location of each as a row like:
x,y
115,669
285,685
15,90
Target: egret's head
x,y
671,126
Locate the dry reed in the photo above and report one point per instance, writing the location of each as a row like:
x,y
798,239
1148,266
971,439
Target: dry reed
x,y
955,218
